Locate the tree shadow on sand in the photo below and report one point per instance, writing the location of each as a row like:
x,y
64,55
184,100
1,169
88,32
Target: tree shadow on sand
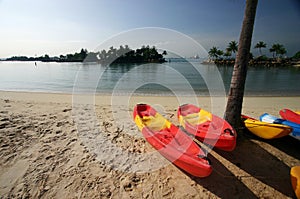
x,y
288,145
261,164
223,183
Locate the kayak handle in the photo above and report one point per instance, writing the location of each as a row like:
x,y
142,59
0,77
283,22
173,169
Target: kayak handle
x,y
229,131
205,158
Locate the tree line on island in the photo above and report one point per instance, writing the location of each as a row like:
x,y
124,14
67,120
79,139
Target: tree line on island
x,y
123,54
147,54
227,57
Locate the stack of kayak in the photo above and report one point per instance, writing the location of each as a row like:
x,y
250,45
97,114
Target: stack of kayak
x,y
275,120
264,129
290,115
177,144
270,126
292,119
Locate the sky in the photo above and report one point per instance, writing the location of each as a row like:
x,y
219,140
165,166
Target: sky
x,y
54,27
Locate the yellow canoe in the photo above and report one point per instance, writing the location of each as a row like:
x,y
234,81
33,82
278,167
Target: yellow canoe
x,y
266,130
295,179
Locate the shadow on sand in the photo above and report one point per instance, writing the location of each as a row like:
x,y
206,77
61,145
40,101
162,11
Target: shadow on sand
x,y
288,145
223,183
262,165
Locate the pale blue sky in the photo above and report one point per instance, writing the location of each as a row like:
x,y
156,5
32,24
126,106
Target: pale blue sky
x,y
37,27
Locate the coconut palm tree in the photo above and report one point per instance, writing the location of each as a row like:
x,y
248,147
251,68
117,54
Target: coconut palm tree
x,y
214,52
272,50
227,54
282,51
237,86
220,53
232,47
277,49
112,54
260,45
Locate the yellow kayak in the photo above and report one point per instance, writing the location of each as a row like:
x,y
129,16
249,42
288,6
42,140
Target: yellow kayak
x,y
295,178
266,130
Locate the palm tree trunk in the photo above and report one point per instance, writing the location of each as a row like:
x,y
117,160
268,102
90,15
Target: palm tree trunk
x,y
260,52
236,91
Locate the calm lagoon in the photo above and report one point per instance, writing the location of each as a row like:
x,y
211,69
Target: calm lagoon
x,y
171,78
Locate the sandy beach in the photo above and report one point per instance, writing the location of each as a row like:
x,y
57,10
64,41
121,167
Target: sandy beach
x,y
80,146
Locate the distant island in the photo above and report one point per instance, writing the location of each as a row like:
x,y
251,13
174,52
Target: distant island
x,y
147,54
124,54
279,58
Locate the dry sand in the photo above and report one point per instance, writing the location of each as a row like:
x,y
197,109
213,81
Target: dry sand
x,y
53,146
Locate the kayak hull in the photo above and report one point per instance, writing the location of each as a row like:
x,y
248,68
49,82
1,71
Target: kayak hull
x,y
171,142
266,130
275,120
207,128
295,179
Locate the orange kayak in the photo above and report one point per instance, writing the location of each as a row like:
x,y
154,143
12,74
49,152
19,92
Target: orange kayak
x,y
206,127
295,179
171,142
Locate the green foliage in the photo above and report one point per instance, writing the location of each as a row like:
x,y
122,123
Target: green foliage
x,y
215,53
122,55
227,54
232,47
260,45
77,57
145,54
278,50
18,58
262,58
297,55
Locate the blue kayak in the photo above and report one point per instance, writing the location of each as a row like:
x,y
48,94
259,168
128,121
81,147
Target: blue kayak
x,y
275,120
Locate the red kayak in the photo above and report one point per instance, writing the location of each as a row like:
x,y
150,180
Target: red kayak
x,y
171,142
290,115
206,127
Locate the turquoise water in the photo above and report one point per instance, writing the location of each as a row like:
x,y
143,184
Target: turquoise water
x,y
171,78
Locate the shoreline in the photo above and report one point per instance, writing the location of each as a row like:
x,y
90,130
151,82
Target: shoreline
x,y
269,62
40,93
162,94
251,104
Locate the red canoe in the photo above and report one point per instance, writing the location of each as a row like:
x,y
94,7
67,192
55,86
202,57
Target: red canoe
x,y
206,127
171,142
292,116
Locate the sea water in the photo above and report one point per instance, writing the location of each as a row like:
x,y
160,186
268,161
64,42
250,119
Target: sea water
x,y
176,77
